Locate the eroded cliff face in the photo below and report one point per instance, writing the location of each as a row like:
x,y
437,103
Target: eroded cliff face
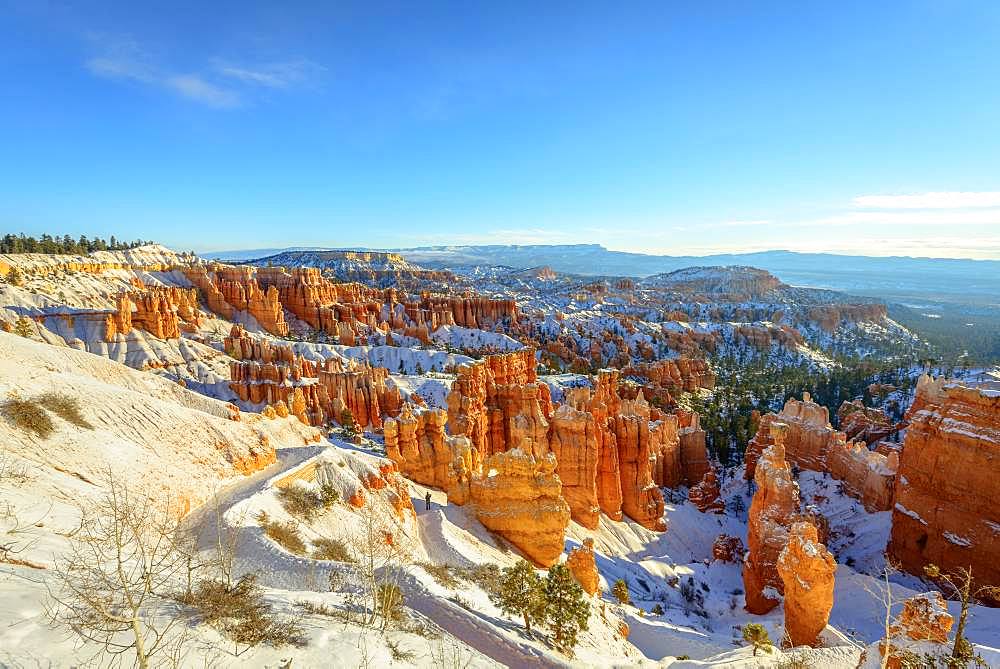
x,y
573,440
772,511
265,372
863,423
417,443
807,571
519,496
498,401
946,510
811,443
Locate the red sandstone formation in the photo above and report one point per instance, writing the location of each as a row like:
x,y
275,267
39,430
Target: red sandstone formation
x,y
519,497
581,562
807,571
771,513
705,495
811,443
229,289
682,374
642,501
573,440
830,316
727,549
946,510
498,401
921,628
864,423
418,445
269,373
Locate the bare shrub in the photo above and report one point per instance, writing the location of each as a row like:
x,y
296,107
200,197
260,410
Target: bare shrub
x,y
331,549
27,415
285,534
120,567
64,406
444,574
241,614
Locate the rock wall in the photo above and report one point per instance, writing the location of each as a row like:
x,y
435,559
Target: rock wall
x,y
863,423
519,497
573,439
228,289
811,443
417,443
498,401
946,510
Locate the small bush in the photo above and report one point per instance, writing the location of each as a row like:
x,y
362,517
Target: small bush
x,y
241,613
797,662
299,501
328,495
29,416
486,576
319,609
285,534
444,574
657,610
331,549
66,407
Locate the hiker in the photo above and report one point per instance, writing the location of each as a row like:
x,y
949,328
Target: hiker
x,y
427,500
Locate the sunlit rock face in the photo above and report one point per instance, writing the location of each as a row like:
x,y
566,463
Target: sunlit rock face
x,y
416,442
584,567
772,511
946,510
811,443
519,496
807,570
498,401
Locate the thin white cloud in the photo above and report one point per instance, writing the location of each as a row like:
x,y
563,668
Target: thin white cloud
x,y
221,85
909,218
271,75
933,200
193,87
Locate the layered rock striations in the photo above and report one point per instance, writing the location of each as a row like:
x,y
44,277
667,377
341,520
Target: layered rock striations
x,y
519,496
417,443
811,443
573,439
498,402
863,423
807,571
946,510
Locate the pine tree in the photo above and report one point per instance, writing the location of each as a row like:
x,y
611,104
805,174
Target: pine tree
x,y
566,608
348,425
520,592
620,592
756,635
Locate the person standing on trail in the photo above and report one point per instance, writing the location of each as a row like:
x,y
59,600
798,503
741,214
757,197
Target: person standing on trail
x,y
427,500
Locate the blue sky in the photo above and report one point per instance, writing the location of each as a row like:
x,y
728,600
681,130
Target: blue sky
x,y
666,127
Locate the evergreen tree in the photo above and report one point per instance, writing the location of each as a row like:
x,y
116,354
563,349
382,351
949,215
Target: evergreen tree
x,y
348,425
520,592
566,608
756,635
620,592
